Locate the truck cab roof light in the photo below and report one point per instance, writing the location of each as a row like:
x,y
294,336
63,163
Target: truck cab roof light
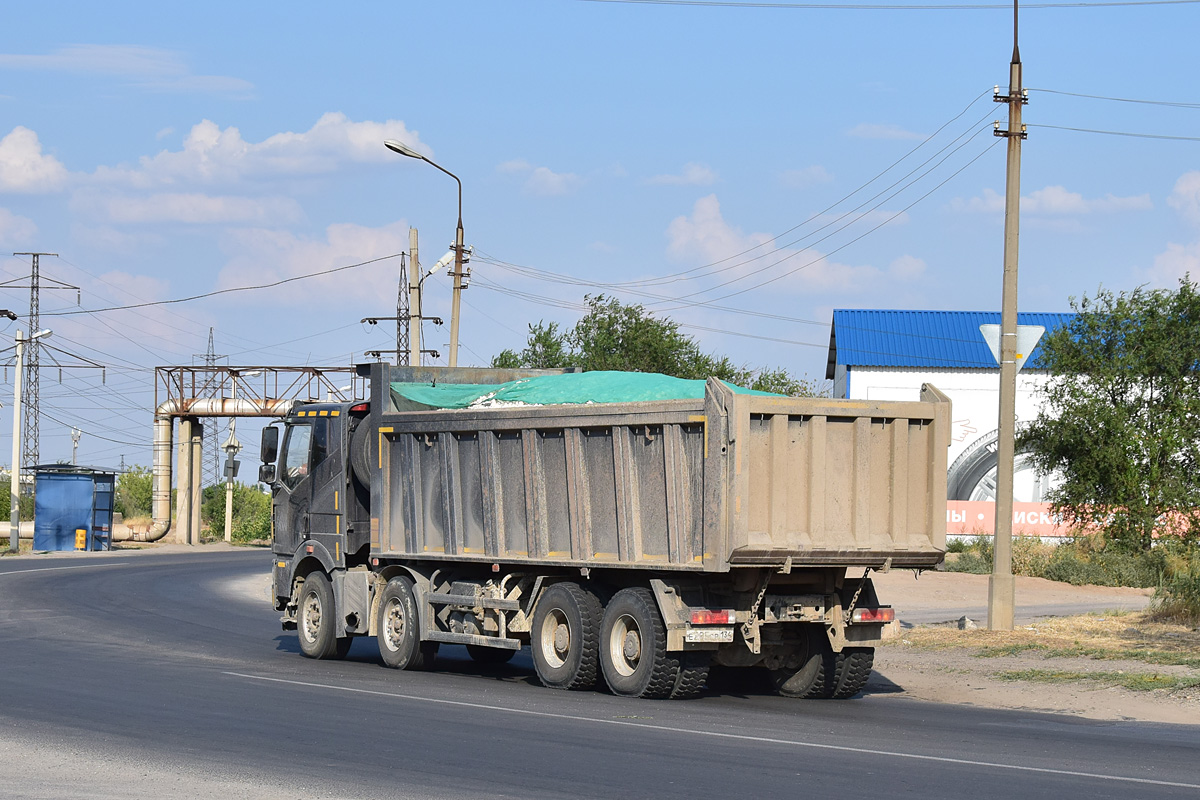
x,y
885,614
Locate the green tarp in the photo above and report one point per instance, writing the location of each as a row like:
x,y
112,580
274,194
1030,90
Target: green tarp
x,y
572,387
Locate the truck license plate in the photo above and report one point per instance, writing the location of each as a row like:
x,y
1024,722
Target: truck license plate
x,y
708,635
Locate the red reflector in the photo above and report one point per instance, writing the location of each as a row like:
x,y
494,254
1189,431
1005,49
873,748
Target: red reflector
x,y
707,616
308,549
361,407
375,562
885,614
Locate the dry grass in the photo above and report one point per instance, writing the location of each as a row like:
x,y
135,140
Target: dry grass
x,y
1112,636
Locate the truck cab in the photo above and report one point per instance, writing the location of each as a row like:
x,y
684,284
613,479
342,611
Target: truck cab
x,y
320,511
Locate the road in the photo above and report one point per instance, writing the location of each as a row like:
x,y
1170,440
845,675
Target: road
x,y
159,675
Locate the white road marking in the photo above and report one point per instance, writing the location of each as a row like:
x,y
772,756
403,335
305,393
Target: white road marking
x,y
719,734
51,569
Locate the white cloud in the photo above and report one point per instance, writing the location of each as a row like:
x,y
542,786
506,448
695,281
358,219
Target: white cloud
x,y
706,237
15,230
212,154
23,166
191,207
1054,200
693,174
1185,198
868,130
806,177
907,268
263,256
150,68
1175,262
541,181
113,240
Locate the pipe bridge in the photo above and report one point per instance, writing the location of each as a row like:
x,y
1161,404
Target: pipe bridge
x,y
190,392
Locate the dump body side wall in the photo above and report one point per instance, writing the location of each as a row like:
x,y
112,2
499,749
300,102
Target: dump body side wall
x,y
695,485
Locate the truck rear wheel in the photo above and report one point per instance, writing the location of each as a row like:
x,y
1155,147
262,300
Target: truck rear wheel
x,y
399,630
633,647
813,668
315,621
854,665
566,627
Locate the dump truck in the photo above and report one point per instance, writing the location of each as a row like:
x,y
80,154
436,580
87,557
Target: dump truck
x,y
630,537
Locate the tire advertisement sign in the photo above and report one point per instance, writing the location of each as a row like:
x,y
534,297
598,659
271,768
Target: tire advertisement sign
x,y
978,517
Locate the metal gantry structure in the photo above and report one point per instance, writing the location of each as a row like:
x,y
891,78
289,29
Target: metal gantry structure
x,y
30,451
186,385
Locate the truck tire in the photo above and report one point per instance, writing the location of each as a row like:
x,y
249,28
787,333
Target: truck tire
x,y
633,647
815,675
693,675
493,656
316,620
564,637
854,665
399,630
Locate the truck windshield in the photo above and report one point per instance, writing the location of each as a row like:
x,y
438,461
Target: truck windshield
x,y
295,454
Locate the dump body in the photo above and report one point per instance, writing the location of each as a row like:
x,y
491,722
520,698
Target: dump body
x,y
700,485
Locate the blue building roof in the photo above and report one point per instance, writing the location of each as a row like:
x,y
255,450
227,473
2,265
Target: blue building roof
x,y
930,339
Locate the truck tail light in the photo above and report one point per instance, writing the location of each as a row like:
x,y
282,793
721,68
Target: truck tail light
x,y
708,616
361,407
885,614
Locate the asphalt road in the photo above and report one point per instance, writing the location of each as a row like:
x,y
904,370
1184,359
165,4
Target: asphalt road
x,y
158,675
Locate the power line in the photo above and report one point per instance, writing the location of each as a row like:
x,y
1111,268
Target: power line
x,y
1120,99
891,6
225,291
1117,133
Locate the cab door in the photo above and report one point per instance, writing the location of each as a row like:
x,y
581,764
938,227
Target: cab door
x,y
292,495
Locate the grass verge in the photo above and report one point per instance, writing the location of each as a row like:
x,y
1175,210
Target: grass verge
x,y
1134,681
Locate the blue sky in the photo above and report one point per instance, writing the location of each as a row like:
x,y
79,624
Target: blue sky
x,y
167,150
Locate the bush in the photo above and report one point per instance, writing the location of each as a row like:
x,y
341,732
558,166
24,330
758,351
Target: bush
x,y
251,513
134,491
1178,597
1079,562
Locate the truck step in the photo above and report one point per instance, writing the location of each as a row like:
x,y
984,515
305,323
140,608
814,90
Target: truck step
x,y
470,638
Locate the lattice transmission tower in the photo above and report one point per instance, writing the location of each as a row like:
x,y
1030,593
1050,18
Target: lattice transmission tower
x,y
211,387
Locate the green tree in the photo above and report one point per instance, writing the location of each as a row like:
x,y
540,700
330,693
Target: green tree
x,y
134,490
251,512
615,336
1121,414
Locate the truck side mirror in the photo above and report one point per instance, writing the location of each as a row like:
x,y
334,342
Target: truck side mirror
x,y
266,473
269,447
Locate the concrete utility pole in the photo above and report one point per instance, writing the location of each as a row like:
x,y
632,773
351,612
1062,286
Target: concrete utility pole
x,y
414,301
75,436
1001,585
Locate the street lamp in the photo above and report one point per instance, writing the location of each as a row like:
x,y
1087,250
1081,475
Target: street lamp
x,y
14,514
232,447
405,150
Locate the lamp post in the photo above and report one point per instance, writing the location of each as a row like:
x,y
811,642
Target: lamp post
x,y
14,514
405,150
232,447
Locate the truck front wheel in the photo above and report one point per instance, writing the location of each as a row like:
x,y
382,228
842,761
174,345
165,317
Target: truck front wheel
x,y
399,633
633,647
316,623
566,626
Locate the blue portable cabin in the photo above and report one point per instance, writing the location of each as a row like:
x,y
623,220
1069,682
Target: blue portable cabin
x,y
69,499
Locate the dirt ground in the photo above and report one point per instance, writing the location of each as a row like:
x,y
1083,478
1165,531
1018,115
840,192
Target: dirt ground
x,y
1090,651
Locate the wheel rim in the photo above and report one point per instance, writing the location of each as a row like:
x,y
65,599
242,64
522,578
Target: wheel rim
x,y
393,624
625,645
555,638
310,617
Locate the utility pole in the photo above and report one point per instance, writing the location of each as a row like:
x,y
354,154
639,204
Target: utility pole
x,y
75,436
402,316
211,388
414,301
30,449
1001,585
14,474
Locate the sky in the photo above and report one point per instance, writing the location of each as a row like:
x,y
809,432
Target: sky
x,y
740,169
